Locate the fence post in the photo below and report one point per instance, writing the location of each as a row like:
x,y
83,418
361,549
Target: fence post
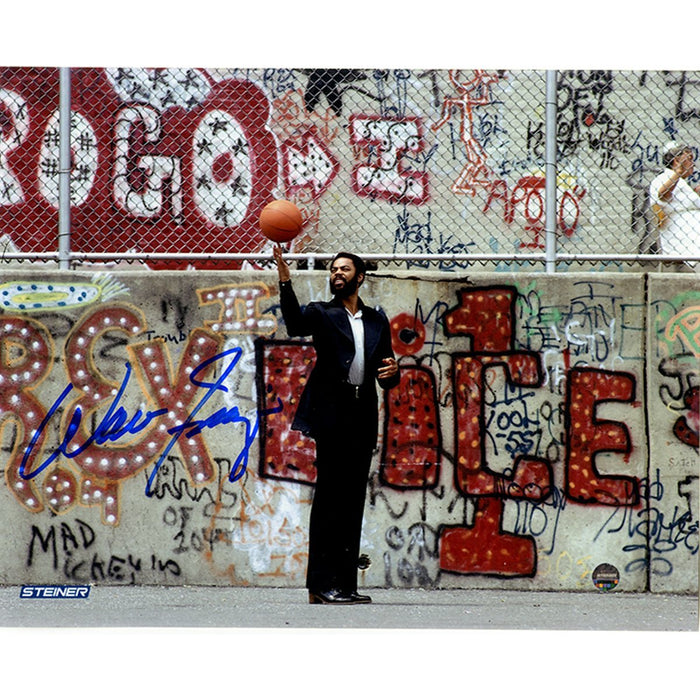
x,y
550,172
64,169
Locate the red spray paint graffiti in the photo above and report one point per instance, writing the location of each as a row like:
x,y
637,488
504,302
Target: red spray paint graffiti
x,y
471,93
412,443
587,436
385,142
486,316
146,168
526,202
687,428
283,369
407,334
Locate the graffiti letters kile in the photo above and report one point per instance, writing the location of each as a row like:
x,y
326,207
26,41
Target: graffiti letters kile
x,y
412,443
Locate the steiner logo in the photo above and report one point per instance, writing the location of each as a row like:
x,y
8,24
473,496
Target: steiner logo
x,y
54,591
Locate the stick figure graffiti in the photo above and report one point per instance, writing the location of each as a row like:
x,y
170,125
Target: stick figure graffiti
x,y
472,93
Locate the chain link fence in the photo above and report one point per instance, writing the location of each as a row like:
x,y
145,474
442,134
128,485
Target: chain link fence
x,y
436,169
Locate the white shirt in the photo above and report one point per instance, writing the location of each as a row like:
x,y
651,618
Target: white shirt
x,y
356,375
680,234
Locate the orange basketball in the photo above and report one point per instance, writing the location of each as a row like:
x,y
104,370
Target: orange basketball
x,y
281,221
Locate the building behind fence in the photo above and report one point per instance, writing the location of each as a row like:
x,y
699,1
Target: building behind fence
x,y
430,168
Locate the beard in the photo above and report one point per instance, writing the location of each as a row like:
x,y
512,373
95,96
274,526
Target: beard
x,y
345,290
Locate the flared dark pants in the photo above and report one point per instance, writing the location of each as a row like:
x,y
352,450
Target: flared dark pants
x,y
343,458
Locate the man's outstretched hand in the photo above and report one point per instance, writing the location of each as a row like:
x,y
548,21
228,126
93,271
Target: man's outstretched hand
x,y
282,267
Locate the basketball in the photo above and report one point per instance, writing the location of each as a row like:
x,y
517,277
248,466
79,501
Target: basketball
x,y
281,221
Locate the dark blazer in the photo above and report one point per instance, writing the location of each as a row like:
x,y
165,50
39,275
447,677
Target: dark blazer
x,y
324,403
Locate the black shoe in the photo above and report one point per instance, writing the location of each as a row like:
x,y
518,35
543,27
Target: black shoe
x,y
333,597
358,598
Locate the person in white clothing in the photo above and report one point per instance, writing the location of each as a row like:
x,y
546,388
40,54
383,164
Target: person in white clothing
x,y
671,193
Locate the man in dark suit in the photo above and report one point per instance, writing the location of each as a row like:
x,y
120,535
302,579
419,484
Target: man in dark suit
x,y
338,409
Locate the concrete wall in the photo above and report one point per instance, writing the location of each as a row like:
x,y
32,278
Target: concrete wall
x,y
545,425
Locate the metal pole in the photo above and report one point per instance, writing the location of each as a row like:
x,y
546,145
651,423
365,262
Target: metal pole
x,y
64,168
550,172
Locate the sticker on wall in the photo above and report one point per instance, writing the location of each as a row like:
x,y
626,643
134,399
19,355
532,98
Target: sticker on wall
x,y
605,577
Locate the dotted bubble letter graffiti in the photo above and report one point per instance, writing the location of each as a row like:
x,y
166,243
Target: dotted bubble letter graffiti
x,y
26,350
486,315
412,438
240,308
587,436
171,392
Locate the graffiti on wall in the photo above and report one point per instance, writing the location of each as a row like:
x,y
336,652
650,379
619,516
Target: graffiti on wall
x,y
412,453
678,326
176,398
157,155
434,162
185,159
495,433
168,155
470,94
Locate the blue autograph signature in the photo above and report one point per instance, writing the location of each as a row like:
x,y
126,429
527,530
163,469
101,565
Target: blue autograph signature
x,y
116,423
